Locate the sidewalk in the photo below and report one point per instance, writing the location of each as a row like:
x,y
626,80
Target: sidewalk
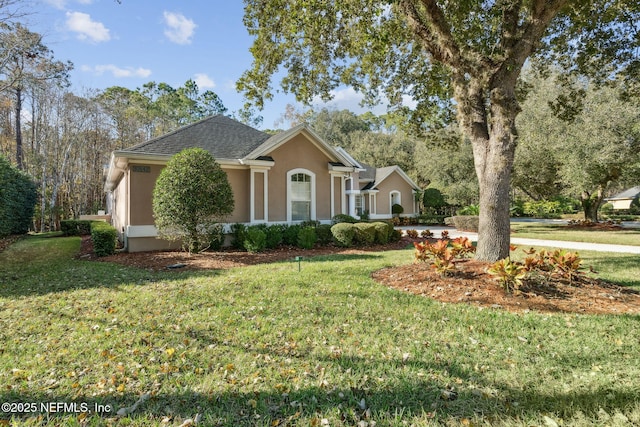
x,y
598,247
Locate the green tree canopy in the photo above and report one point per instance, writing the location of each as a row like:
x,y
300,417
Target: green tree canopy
x,y
442,54
583,151
191,195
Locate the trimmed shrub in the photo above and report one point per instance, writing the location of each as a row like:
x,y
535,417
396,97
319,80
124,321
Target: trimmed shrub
x,y
274,235
238,235
343,233
290,235
365,233
74,227
323,231
466,222
397,209
216,237
307,237
383,232
396,236
104,238
255,239
191,194
340,218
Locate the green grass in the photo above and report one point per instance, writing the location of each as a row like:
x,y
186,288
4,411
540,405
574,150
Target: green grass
x,y
562,232
268,345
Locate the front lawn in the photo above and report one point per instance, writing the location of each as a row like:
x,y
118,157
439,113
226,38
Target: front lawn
x,y
269,345
546,231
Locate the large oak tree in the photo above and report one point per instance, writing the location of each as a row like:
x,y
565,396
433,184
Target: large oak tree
x,y
467,54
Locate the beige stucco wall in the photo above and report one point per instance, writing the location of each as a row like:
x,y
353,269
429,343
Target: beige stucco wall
x,y
299,152
241,186
142,184
394,182
141,189
621,204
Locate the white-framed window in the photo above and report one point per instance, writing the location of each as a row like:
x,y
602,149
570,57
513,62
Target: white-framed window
x,y
301,189
394,199
359,204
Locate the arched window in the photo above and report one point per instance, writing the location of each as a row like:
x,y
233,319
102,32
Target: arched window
x,y
301,195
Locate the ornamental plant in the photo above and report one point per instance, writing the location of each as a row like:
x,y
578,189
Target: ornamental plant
x,y
192,194
441,254
510,274
541,265
566,265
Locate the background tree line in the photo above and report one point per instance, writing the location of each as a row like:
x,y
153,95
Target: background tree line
x,y
575,139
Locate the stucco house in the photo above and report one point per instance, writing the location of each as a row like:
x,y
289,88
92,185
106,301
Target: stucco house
x,y
623,200
284,178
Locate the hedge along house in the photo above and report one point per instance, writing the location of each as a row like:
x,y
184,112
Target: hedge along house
x,y
289,177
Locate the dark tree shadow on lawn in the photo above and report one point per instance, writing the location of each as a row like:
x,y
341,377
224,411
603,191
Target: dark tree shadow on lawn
x,y
408,398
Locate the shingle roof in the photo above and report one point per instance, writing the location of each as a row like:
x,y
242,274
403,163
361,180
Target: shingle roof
x,y
221,136
631,193
369,172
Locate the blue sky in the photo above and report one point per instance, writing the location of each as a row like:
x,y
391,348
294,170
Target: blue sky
x,y
170,41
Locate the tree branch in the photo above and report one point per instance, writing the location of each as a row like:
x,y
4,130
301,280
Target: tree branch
x,y
432,31
518,49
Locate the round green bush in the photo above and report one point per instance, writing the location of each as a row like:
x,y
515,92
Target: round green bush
x,y
343,233
383,232
323,231
307,237
290,235
396,235
274,235
255,239
365,233
238,235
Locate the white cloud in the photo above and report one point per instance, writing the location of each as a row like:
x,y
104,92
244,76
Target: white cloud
x,y
87,29
349,99
62,4
204,82
116,71
179,28
58,4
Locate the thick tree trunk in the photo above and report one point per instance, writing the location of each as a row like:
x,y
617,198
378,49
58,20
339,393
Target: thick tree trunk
x,y
494,226
591,203
490,125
